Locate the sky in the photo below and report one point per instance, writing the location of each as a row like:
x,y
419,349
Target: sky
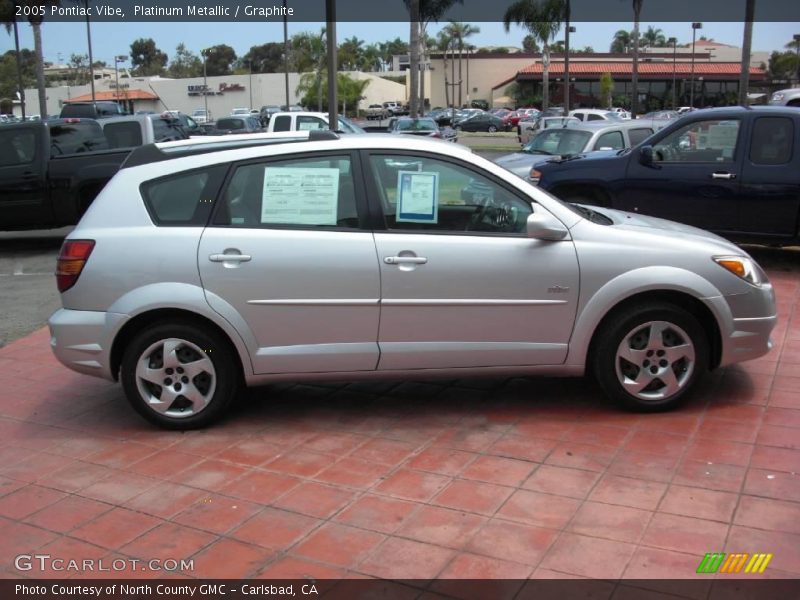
x,y
60,40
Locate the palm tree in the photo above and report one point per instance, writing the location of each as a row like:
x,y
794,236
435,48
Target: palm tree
x,y
621,42
36,25
444,43
542,19
429,11
744,69
654,37
637,11
9,18
459,32
413,59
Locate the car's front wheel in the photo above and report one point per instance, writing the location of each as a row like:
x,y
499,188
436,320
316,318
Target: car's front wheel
x,y
648,359
491,129
179,376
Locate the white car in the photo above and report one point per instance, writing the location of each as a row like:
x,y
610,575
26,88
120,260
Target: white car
x,y
201,115
595,114
240,112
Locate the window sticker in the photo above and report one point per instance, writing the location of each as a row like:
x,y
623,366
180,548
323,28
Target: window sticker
x,y
309,125
417,197
300,196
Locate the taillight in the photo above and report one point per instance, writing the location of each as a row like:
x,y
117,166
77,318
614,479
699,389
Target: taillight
x,y
71,259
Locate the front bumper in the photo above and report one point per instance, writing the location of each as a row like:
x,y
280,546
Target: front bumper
x,y
754,316
82,339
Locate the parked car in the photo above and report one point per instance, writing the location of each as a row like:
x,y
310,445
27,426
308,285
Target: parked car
x,y
595,114
482,121
202,116
240,112
308,121
280,265
482,104
376,112
237,125
187,123
527,129
395,109
623,114
572,140
50,171
425,127
789,97
734,171
136,130
266,112
100,109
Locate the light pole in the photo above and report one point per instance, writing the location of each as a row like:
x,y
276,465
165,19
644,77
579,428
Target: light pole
x,y
567,30
117,59
674,42
89,41
695,27
250,73
286,53
204,52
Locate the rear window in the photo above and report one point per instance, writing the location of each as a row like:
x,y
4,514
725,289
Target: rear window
x,y
772,141
232,124
73,138
123,135
185,199
17,147
282,123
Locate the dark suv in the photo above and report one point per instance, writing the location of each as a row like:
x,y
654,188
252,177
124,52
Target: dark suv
x,y
91,110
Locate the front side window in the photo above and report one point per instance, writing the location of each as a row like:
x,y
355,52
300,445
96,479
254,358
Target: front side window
x,y
184,199
610,141
772,141
72,138
426,194
703,141
301,192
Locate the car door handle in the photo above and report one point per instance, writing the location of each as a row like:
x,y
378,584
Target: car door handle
x,y
408,260
721,175
229,257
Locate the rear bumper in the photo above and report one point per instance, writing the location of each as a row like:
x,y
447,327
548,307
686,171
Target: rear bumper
x,y
81,340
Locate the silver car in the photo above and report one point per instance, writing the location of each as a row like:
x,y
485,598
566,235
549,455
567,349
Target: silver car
x,y
207,264
573,139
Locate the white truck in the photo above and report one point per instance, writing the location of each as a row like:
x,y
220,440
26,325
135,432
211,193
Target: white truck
x,y
307,121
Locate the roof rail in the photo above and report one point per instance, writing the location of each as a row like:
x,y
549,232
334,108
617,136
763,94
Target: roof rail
x,y
151,153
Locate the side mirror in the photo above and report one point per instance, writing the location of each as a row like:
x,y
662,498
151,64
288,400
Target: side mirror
x,y
544,226
646,156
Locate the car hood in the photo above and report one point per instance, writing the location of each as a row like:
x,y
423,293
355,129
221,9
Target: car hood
x,y
520,163
636,221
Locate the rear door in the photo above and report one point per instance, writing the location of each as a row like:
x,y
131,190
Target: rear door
x,y
289,259
23,195
770,183
694,178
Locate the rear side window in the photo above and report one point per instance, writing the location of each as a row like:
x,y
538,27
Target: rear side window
x,y
637,136
17,147
282,123
79,110
123,135
298,192
773,138
594,117
185,199
74,138
610,141
164,131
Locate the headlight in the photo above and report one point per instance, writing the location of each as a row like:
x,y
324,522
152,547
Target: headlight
x,y
534,176
742,267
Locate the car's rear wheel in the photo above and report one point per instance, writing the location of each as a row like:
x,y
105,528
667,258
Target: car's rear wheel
x,y
492,129
179,376
650,358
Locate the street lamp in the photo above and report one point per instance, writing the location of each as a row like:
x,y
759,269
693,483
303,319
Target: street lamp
x,y
695,27
204,54
674,42
118,59
567,30
250,73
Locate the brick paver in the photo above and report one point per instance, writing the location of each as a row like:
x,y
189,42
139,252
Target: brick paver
x,y
507,479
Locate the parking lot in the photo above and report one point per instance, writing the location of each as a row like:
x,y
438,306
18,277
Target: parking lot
x,y
457,479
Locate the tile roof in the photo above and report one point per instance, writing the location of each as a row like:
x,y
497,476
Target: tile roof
x,y
121,95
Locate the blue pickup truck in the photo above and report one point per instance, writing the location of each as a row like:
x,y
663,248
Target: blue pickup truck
x,y
734,171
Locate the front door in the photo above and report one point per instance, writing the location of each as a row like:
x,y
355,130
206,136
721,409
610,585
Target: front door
x,y
694,178
461,283
287,254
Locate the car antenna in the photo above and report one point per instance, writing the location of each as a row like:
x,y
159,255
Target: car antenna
x,y
157,96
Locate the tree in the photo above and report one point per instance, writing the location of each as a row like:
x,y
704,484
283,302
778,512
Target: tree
x,y
444,44
371,59
529,44
621,41
146,58
308,54
460,32
79,66
782,65
220,59
266,58
430,11
606,89
349,54
654,37
413,59
392,48
8,72
185,63
348,90
542,19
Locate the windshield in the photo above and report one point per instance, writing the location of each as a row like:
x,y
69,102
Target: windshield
x,y
417,125
558,141
348,126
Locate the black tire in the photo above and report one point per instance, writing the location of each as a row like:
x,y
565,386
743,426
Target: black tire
x,y
629,326
491,129
226,374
